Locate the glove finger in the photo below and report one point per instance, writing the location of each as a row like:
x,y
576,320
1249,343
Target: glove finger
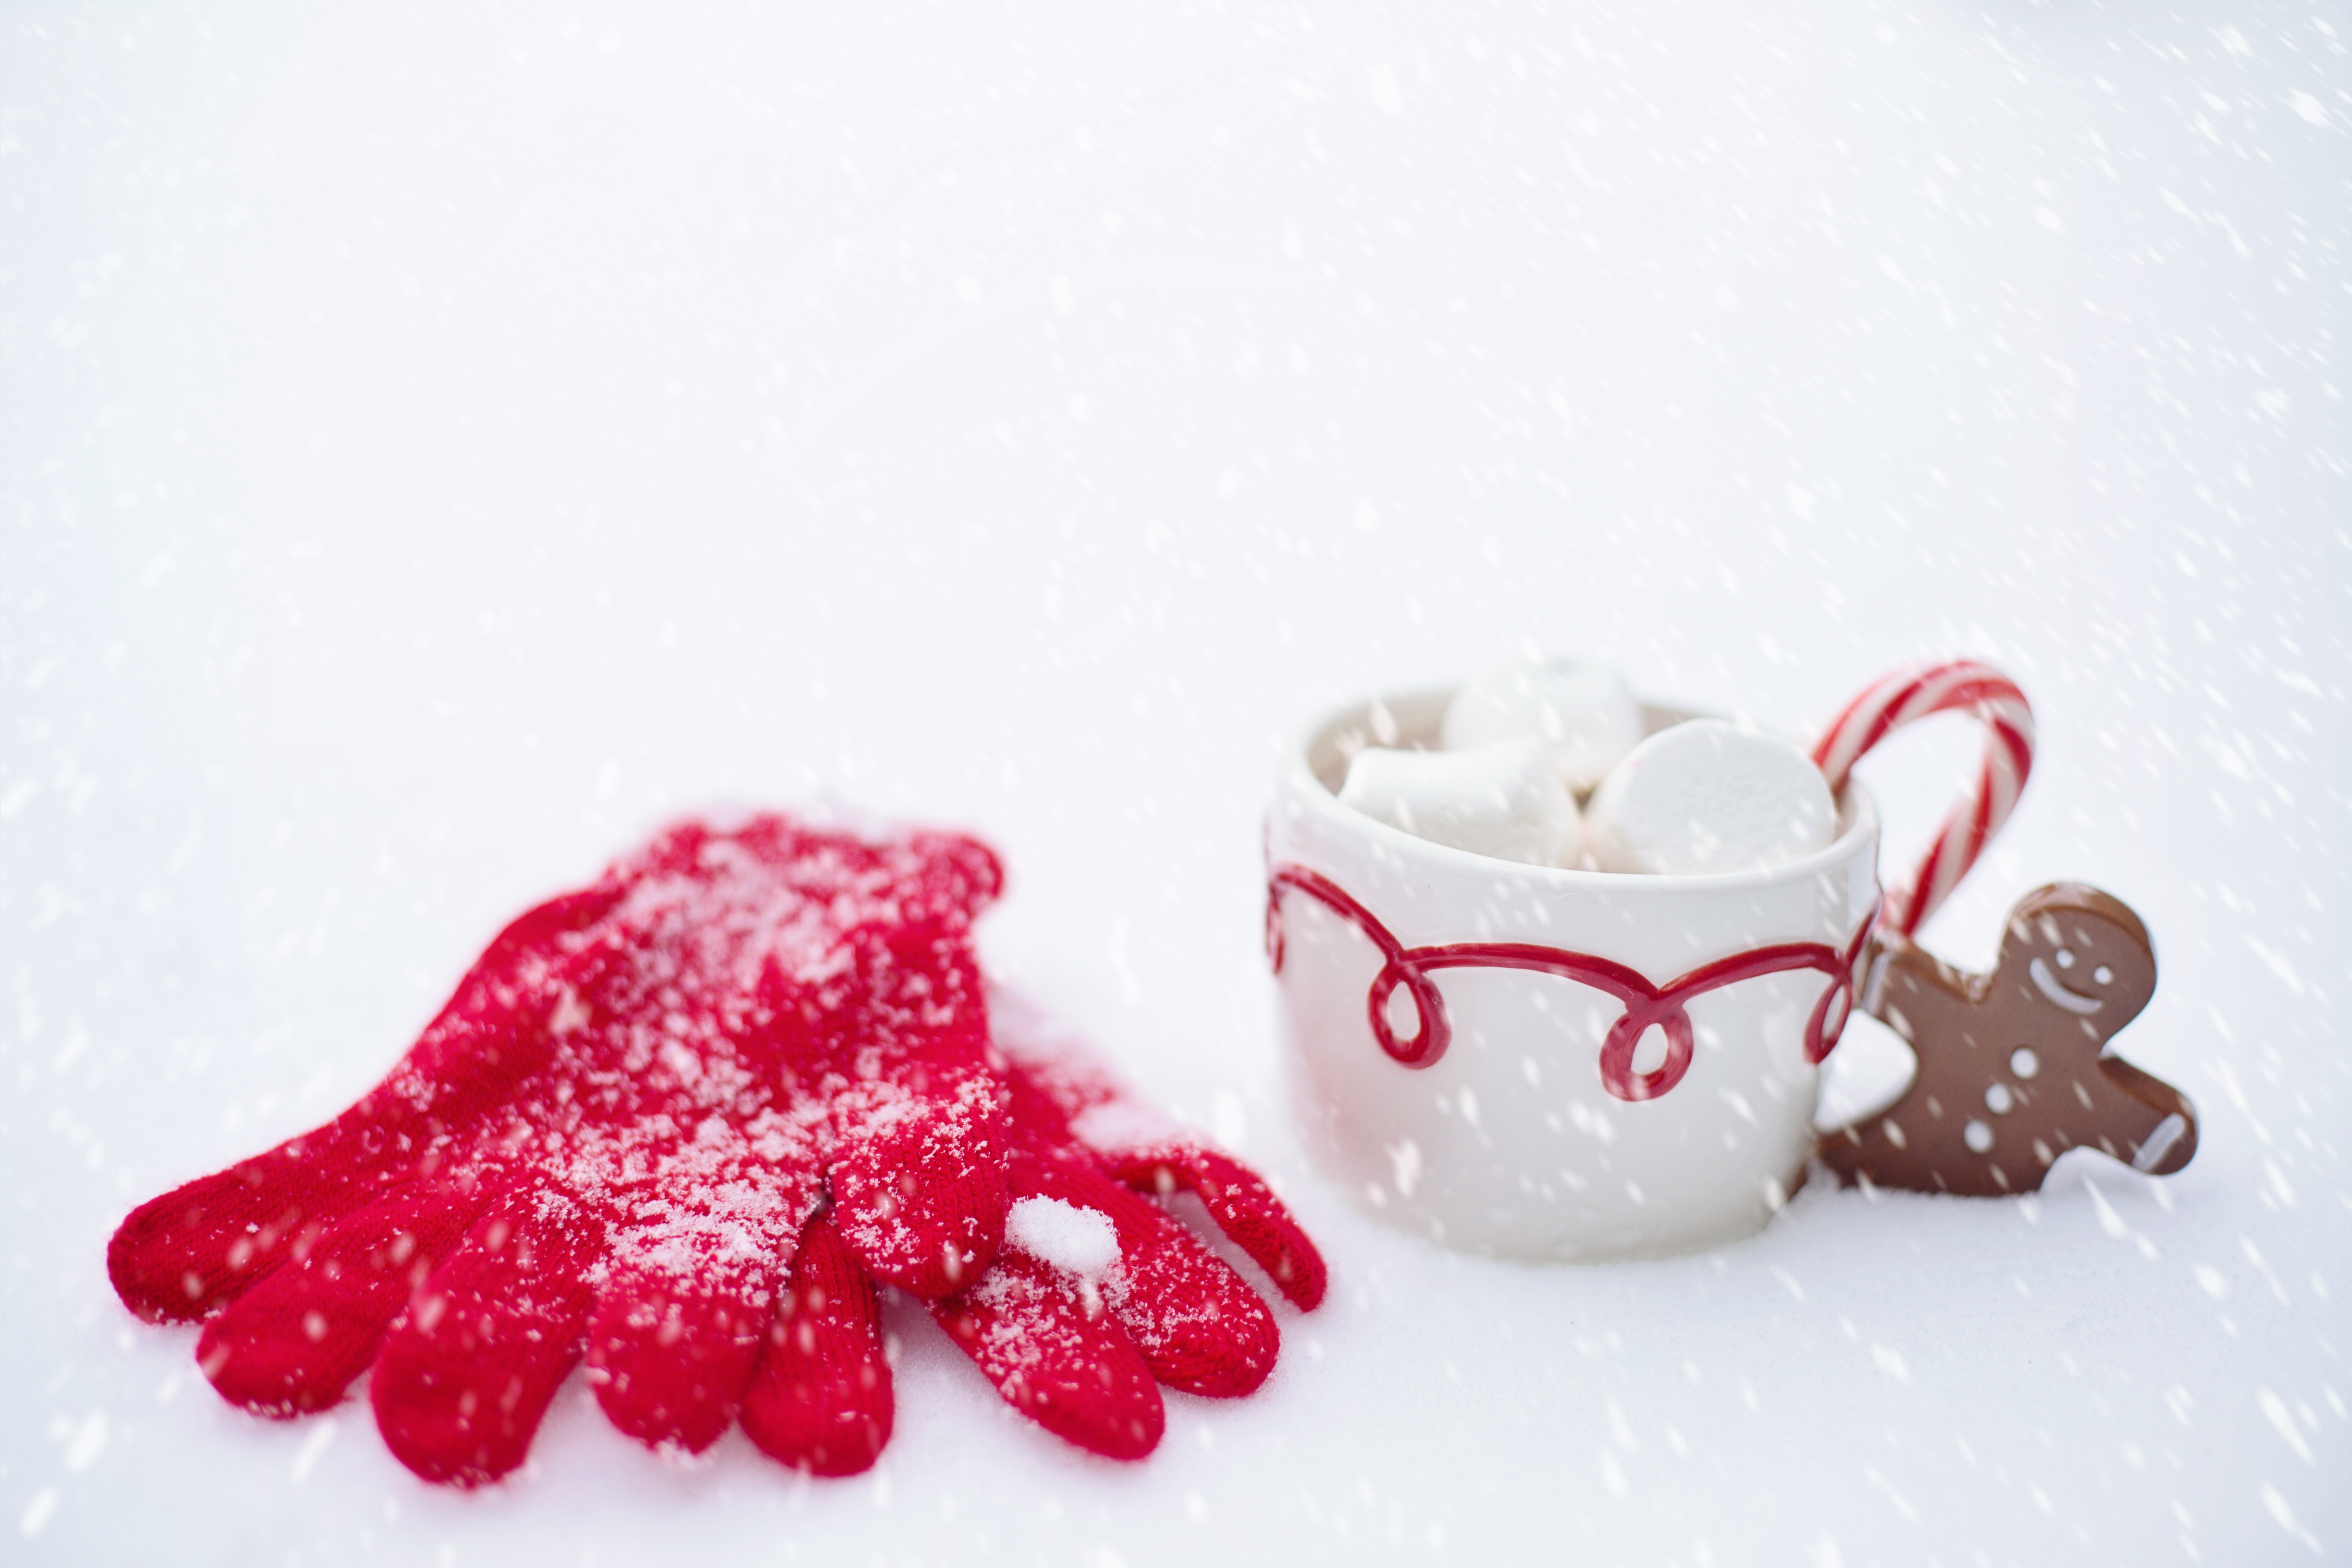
x,y
1198,1324
1061,1091
467,1372
920,1195
820,1398
960,876
669,1357
535,933
678,1327
917,1183
293,1343
495,1027
1244,1206
693,1279
1055,1355
178,1256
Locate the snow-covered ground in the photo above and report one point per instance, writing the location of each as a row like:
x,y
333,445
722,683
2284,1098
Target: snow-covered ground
x,y
436,444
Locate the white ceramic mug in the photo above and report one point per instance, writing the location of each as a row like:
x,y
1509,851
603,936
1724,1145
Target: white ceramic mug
x,y
1543,1063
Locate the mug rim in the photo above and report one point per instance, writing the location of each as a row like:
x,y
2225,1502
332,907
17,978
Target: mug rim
x,y
1855,805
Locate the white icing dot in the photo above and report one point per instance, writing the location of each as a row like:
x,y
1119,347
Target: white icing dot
x,y
2023,1062
1998,1099
1977,1136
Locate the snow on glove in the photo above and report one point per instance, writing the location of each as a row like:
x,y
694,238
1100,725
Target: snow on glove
x,y
1098,1296
610,1140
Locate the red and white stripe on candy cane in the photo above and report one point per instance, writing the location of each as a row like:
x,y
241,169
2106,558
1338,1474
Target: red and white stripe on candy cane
x,y
1894,701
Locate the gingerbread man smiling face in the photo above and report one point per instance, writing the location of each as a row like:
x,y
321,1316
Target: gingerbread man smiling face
x,y
2012,1069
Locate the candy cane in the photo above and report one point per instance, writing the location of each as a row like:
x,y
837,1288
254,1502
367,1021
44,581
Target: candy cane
x,y
1897,700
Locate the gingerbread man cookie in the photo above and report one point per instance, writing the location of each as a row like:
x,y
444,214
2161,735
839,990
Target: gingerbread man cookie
x,y
2011,1070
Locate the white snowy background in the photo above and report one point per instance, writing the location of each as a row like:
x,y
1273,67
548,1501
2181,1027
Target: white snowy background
x,y
437,442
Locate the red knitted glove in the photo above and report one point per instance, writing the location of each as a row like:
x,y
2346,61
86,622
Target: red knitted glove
x,y
609,1140
1097,1292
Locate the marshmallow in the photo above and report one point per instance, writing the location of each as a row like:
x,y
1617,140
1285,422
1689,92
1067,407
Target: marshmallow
x,y
1707,796
1585,711
1502,800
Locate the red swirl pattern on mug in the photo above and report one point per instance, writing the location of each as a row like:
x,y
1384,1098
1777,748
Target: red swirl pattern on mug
x,y
1895,701
1645,1003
